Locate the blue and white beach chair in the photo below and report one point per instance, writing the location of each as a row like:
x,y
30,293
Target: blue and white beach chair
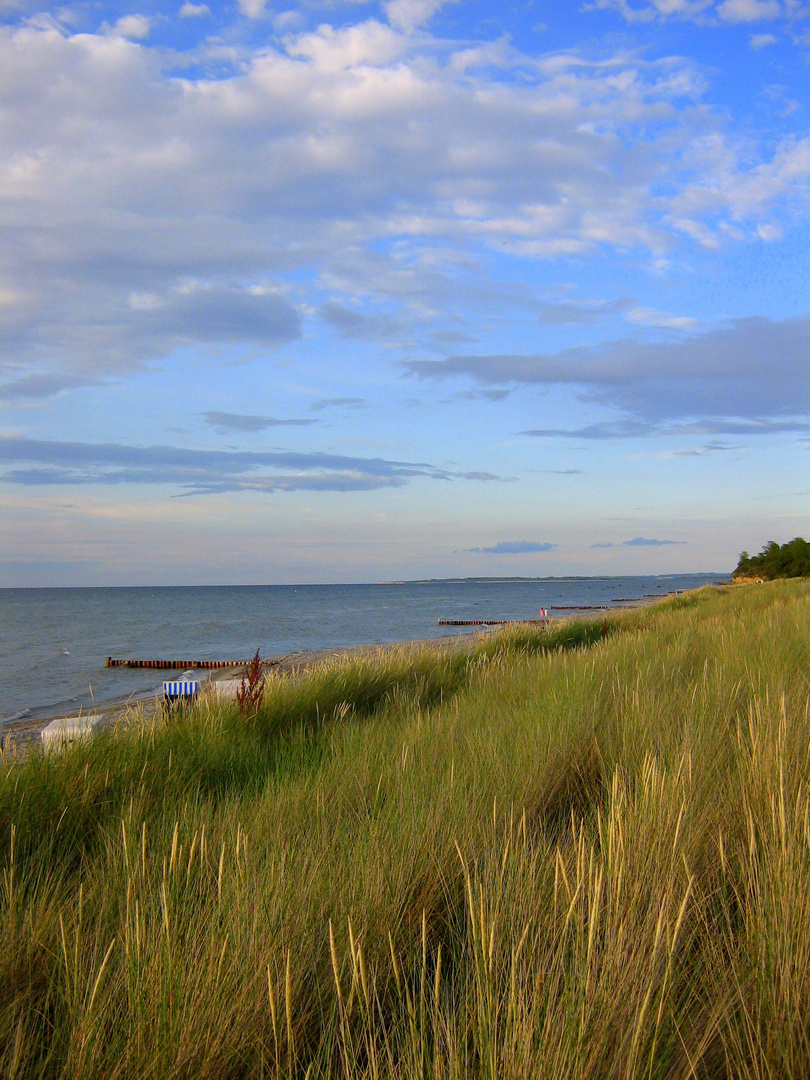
x,y
184,690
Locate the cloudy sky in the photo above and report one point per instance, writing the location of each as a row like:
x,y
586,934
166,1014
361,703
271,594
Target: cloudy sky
x,y
366,291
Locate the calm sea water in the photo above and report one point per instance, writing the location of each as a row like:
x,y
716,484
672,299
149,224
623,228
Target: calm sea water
x,y
54,642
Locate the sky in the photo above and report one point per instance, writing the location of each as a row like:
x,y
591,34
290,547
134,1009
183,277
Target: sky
x,y
372,291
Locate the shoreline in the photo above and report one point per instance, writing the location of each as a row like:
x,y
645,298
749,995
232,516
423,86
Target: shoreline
x,y
20,736
69,637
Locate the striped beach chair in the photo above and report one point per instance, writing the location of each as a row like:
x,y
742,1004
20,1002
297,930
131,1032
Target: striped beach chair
x,y
180,691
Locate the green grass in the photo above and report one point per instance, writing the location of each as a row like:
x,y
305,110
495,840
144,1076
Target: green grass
x,y
546,855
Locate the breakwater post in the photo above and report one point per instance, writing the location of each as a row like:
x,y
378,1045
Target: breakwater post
x,y
206,665
489,622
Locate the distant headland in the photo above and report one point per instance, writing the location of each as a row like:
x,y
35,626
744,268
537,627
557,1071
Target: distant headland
x,y
546,577
788,560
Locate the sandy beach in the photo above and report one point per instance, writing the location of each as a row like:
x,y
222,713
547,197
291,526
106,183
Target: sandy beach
x,y
23,736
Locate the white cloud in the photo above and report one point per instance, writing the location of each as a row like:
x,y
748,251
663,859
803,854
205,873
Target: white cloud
x,y
777,95
143,210
749,10
408,15
194,11
703,11
684,9
133,26
762,41
681,8
647,317
332,51
254,9
732,190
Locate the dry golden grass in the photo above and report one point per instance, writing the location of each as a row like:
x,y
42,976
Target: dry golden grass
x,y
550,856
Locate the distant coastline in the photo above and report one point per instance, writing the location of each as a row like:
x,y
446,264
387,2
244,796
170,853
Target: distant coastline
x,y
471,580
550,577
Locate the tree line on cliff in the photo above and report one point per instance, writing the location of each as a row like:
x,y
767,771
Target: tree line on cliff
x,y
776,561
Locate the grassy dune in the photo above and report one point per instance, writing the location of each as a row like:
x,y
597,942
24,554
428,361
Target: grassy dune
x,y
552,855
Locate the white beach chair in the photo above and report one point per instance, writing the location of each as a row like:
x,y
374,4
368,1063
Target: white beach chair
x,y
68,729
226,689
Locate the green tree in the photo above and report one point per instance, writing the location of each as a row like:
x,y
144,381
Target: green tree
x,y
776,561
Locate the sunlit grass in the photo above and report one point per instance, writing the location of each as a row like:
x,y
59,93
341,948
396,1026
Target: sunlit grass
x,y
545,854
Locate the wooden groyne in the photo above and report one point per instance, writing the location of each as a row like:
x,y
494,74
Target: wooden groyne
x,y
579,607
487,622
206,665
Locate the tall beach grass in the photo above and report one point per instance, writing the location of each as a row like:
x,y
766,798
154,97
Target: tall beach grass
x,y
550,853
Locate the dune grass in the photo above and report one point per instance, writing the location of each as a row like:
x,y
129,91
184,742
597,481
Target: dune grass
x,y
549,854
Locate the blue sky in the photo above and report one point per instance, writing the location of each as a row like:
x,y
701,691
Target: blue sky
x,y
370,291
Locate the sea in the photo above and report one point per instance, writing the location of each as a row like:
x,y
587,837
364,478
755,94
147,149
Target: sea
x,y
54,642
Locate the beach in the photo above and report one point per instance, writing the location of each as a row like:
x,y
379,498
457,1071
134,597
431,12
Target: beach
x,y
54,642
23,736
